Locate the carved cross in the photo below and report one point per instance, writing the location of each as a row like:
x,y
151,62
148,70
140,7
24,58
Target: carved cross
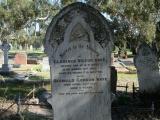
x,y
5,47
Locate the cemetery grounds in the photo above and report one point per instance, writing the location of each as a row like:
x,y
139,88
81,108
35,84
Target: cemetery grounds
x,y
30,82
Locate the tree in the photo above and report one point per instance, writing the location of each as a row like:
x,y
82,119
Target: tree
x,y
140,26
131,19
19,15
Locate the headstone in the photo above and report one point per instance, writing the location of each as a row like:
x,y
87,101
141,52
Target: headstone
x,y
20,47
42,48
20,58
146,63
11,46
1,58
5,47
45,64
31,48
112,58
79,44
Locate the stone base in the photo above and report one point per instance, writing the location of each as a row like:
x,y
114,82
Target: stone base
x,y
5,68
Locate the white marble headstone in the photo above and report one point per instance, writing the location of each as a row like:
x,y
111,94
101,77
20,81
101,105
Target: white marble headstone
x,y
1,58
31,47
78,42
146,63
45,64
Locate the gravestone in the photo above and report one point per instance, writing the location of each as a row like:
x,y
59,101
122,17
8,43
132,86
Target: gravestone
x,y
20,58
5,47
31,48
20,47
11,46
42,48
45,64
1,58
78,42
146,63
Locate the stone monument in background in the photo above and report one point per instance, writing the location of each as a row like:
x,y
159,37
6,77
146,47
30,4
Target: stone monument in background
x,y
78,42
21,58
5,47
45,64
146,63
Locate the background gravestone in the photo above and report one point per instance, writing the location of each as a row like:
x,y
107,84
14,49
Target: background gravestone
x,y
45,64
1,58
5,47
79,43
31,48
20,58
146,63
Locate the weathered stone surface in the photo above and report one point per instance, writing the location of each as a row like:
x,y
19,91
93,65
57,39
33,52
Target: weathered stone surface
x,y
1,58
20,58
146,63
5,47
45,64
79,43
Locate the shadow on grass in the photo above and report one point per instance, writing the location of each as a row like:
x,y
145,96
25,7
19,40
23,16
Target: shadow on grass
x,y
25,116
30,55
10,90
139,107
8,74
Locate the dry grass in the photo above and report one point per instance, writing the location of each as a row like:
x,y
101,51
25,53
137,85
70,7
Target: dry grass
x,y
124,78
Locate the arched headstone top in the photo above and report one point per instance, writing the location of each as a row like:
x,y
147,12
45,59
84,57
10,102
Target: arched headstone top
x,y
89,21
146,63
5,46
79,44
144,49
78,30
146,58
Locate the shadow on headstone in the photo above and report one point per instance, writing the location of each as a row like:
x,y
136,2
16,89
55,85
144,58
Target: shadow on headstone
x,y
146,63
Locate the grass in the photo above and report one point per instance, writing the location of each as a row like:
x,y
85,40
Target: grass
x,y
30,116
129,53
30,54
27,116
127,78
35,69
10,90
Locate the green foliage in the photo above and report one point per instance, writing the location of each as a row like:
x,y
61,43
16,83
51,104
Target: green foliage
x,y
138,12
37,68
157,4
1,78
36,78
17,12
66,2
